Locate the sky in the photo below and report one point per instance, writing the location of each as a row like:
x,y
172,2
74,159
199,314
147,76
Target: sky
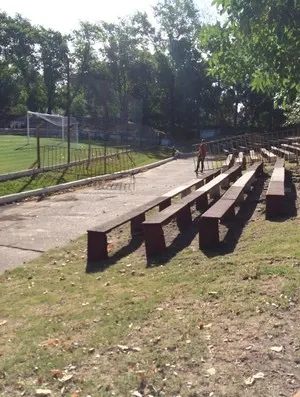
x,y
64,15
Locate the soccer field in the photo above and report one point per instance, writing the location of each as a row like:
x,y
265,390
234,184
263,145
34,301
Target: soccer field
x,y
17,155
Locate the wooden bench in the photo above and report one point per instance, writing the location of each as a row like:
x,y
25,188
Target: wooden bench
x,y
241,160
228,163
275,195
253,156
97,237
225,207
287,155
291,148
244,149
153,227
294,139
271,157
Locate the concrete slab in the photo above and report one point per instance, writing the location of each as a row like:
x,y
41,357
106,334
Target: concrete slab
x,y
29,228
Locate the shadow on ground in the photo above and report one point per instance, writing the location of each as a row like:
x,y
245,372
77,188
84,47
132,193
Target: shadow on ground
x,y
128,249
235,229
242,217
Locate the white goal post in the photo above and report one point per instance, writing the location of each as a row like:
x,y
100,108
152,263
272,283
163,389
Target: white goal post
x,y
55,126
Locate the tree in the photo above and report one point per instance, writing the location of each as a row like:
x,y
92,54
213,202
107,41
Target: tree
x,y
18,48
259,39
51,58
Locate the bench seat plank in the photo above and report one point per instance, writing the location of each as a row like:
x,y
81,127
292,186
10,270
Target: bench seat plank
x,y
219,209
278,175
275,196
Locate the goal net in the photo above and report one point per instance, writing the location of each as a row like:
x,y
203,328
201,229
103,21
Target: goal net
x,y
51,126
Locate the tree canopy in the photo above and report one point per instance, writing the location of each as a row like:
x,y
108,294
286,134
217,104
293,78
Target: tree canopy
x,y
258,42
181,74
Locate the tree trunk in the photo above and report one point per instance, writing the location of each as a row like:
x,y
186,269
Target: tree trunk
x,y
172,105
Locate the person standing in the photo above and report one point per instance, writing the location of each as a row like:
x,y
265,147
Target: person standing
x,y
201,156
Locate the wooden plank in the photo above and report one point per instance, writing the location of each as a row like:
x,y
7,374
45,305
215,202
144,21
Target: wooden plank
x,y
245,179
120,220
278,175
233,193
194,182
219,209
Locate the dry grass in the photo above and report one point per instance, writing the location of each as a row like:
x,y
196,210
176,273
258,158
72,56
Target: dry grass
x,y
193,325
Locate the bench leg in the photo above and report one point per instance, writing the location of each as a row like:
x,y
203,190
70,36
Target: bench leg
x,y
214,192
166,203
208,232
274,206
209,178
154,239
97,246
202,202
225,184
136,224
199,184
184,218
185,192
230,214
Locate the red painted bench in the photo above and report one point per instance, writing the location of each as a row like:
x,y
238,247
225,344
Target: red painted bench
x,y
291,148
285,154
225,207
97,237
153,227
228,163
271,157
253,156
275,195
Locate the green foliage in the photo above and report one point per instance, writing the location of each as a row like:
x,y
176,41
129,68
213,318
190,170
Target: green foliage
x,y
259,41
163,76
292,112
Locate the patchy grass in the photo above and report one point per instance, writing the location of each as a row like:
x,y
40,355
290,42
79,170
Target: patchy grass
x,y
196,326
137,158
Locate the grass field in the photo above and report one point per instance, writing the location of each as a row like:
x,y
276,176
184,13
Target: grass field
x,y
17,155
137,158
224,323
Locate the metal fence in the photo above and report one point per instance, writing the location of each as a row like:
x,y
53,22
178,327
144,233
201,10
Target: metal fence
x,y
20,151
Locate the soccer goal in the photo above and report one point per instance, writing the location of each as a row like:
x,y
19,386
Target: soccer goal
x,y
51,126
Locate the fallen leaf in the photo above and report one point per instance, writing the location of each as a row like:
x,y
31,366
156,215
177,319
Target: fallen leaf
x,y
259,375
3,322
137,394
277,349
211,371
249,381
66,378
57,372
123,348
51,342
136,349
43,392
